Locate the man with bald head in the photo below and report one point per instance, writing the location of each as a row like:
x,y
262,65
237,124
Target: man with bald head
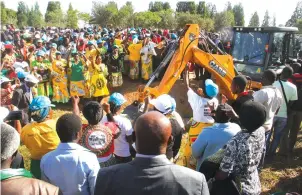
x,y
151,172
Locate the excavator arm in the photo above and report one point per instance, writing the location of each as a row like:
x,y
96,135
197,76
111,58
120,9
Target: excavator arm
x,y
186,50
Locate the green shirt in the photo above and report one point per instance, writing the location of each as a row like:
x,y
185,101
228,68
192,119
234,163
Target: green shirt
x,y
77,71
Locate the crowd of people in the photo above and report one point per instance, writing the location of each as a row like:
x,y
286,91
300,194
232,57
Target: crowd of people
x,y
110,154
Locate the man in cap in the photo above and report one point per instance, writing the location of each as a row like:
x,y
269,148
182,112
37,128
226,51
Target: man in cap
x,y
163,104
39,46
40,136
90,51
212,138
18,181
23,96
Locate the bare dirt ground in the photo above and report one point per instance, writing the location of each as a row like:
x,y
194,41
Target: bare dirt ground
x,y
282,175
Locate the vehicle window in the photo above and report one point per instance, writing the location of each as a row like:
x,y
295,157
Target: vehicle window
x,y
249,47
278,47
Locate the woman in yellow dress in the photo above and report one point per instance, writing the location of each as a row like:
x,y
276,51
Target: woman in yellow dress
x,y
59,79
98,85
147,52
77,81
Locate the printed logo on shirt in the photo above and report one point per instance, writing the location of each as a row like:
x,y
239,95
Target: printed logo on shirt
x,y
207,111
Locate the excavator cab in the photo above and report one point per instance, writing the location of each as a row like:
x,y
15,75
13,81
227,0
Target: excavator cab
x,y
255,49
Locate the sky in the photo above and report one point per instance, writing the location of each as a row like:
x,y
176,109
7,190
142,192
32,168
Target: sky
x,y
282,9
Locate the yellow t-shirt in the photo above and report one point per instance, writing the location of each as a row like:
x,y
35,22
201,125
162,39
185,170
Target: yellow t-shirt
x,y
118,42
89,53
134,51
40,138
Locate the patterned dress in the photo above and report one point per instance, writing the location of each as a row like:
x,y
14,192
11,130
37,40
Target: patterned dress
x,y
134,58
59,81
98,85
242,157
147,51
43,68
77,81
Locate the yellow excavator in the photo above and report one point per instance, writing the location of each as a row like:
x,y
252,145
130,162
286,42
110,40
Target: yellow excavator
x,y
193,46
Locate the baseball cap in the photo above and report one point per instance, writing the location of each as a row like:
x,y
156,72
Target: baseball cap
x,y
54,45
40,41
22,74
58,53
211,88
163,103
40,53
40,102
89,43
4,79
31,78
173,36
99,41
118,99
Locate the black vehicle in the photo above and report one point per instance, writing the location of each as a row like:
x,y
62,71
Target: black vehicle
x,y
255,49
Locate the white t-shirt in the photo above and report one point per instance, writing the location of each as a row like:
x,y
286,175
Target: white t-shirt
x,y
121,146
291,95
271,98
199,105
179,119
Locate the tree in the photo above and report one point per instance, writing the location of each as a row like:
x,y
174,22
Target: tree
x,y
299,25
224,19
187,18
35,18
22,14
54,14
8,16
297,14
274,21
84,16
72,17
202,9
126,15
186,6
229,6
105,14
238,14
254,21
156,6
166,6
266,19
211,10
146,19
167,19
3,13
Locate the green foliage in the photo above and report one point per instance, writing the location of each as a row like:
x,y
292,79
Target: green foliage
x,y
202,9
187,18
297,15
266,19
125,14
254,21
223,20
166,6
211,10
22,14
105,14
147,19
3,13
84,16
299,25
8,16
35,18
238,14
54,14
186,6
229,6
72,18
167,19
156,6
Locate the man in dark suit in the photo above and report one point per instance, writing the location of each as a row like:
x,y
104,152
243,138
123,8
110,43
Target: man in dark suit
x,y
23,96
151,172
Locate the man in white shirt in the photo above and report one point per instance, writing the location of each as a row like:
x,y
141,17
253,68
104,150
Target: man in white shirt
x,y
71,167
270,97
280,120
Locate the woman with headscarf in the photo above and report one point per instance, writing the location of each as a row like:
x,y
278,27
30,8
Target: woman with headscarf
x,y
147,52
115,67
123,143
59,79
98,85
40,136
41,67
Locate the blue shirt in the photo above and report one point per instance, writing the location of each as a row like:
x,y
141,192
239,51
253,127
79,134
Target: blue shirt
x,y
211,139
72,168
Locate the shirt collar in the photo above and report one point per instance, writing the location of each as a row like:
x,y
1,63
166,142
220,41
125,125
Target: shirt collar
x,y
69,145
161,156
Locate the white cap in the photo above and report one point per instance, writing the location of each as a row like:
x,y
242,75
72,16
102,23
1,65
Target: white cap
x,y
25,64
31,78
135,40
20,64
163,103
19,69
3,113
4,79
